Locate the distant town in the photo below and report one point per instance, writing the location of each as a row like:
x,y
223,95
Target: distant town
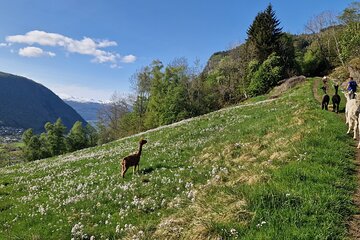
x,y
10,134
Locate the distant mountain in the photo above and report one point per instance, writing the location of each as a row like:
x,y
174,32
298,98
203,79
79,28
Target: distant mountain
x,y
27,104
88,109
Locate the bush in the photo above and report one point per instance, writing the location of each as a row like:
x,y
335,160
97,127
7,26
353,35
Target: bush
x,y
265,76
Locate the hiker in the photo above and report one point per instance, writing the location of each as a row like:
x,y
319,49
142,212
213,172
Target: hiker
x,y
351,87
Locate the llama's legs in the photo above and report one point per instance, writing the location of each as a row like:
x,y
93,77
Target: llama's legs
x,y
359,134
355,128
326,106
334,107
350,126
124,171
346,117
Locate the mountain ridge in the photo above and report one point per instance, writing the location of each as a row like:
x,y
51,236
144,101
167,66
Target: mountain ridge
x,y
25,104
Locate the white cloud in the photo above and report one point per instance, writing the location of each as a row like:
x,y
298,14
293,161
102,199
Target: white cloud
x,y
128,59
86,46
114,65
5,44
34,52
106,43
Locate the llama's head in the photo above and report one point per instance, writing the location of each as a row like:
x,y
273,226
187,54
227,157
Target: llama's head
x,y
142,141
323,88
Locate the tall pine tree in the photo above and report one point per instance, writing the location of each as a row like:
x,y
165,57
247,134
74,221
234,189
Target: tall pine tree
x,y
265,34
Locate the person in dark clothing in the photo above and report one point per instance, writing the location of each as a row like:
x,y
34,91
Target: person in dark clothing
x,y
352,87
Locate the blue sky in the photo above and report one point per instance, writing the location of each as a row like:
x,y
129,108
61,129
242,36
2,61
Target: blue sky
x,y
89,49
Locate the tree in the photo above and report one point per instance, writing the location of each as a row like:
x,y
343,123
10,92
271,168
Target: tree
x,y
76,139
45,148
27,136
351,14
141,82
56,137
264,76
350,38
287,56
319,27
265,33
109,118
91,135
169,98
156,95
32,148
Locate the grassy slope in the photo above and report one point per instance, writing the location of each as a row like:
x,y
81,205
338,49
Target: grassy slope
x,y
10,154
276,170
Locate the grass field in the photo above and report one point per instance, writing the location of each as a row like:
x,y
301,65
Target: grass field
x,y
279,169
10,154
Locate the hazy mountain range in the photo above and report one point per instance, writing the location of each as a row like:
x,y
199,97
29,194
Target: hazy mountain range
x,y
88,109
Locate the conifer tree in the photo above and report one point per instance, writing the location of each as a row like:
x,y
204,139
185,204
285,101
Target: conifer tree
x,y
265,33
56,137
76,138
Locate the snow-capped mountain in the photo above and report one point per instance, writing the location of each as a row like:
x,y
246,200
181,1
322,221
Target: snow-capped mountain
x,y
87,108
66,97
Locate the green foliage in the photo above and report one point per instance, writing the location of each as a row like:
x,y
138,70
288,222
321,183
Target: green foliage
x,y
265,34
264,76
287,55
91,136
109,118
168,96
76,138
54,141
351,14
350,41
33,148
27,135
55,137
314,63
45,147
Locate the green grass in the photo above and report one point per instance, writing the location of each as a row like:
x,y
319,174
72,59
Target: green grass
x,y
10,154
275,170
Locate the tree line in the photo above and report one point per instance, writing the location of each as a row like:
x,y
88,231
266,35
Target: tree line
x,y
54,141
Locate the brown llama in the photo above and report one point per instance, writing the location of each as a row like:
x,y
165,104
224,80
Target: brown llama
x,y
132,160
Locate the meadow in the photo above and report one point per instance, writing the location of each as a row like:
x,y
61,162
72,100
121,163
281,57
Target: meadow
x,y
268,169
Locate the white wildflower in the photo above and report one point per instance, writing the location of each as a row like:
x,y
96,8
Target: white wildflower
x,y
233,231
117,229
